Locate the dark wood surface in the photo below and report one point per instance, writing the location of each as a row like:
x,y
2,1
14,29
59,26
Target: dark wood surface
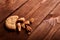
x,y
8,7
40,10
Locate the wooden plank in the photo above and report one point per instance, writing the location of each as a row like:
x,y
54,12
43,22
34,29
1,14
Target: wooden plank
x,y
41,12
9,6
52,32
39,15
25,9
56,35
12,35
56,12
41,31
55,29
22,35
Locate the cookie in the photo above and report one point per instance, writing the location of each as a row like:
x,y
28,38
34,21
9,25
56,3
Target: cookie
x,y
11,22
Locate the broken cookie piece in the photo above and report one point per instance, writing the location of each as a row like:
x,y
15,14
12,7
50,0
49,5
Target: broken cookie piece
x,y
23,25
19,26
31,20
21,20
27,22
29,29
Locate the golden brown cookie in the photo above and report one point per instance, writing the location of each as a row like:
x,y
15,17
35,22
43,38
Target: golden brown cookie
x,y
11,22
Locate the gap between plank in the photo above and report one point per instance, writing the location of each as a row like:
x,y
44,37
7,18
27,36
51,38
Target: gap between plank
x,y
14,11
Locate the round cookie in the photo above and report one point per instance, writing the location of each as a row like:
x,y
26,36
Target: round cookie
x,y
11,22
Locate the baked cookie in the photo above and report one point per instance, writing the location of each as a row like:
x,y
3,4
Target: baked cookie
x,y
11,22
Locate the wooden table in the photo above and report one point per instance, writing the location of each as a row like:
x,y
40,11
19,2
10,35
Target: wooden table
x,y
40,10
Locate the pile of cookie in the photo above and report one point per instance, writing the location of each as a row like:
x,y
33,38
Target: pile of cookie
x,y
14,22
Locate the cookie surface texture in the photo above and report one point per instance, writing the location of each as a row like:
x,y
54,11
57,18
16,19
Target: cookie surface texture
x,y
11,22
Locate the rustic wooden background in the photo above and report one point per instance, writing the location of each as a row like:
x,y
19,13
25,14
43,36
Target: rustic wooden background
x,y
40,10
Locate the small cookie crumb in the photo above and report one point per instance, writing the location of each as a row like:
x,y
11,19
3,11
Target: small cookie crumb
x,y
23,25
19,26
27,22
31,20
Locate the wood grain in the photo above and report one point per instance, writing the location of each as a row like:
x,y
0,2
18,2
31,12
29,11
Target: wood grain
x,y
42,12
7,7
41,31
56,36
37,9
34,36
17,36
54,33
25,9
